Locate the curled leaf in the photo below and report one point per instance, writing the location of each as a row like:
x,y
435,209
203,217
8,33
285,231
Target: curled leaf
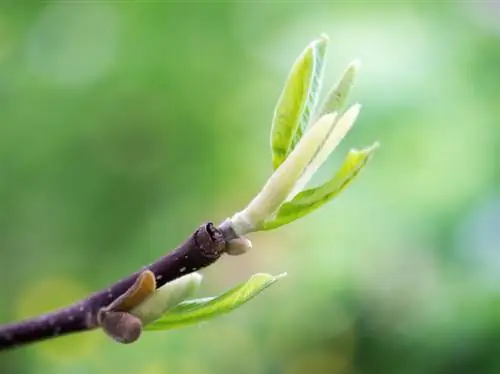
x,y
311,199
143,287
195,311
283,180
338,131
166,297
298,100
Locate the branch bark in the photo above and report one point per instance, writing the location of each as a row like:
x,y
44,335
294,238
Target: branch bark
x,y
201,249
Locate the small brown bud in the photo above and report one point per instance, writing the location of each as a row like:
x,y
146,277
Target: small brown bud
x,y
238,246
121,326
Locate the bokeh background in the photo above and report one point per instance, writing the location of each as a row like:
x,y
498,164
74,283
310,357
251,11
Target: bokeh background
x,y
125,125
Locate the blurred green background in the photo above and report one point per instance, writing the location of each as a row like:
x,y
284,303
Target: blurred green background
x,y
125,125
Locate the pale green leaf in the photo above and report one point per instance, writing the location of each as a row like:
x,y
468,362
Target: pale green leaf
x,y
318,49
298,100
282,181
195,311
313,198
338,131
337,97
167,297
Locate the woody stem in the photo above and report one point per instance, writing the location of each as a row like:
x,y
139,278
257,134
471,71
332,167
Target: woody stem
x,y
201,249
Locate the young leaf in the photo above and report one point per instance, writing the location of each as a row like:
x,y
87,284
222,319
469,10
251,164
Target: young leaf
x,y
337,97
195,311
167,297
311,199
318,50
282,181
339,130
298,100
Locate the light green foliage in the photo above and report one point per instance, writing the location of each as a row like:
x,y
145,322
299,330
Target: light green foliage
x,y
313,198
195,311
298,203
337,97
336,134
302,138
298,100
282,182
123,125
282,199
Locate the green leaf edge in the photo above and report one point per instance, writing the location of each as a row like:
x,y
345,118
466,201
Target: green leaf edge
x,y
316,84
311,199
298,101
195,311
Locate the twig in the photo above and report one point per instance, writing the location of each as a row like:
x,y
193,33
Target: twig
x,y
201,249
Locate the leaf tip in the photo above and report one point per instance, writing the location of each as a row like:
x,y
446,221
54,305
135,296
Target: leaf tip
x,y
282,275
324,36
344,124
368,151
266,277
354,110
373,147
355,64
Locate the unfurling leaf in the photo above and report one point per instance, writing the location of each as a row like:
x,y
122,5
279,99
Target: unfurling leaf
x,y
282,181
302,137
195,311
338,131
311,199
337,97
298,100
144,286
167,297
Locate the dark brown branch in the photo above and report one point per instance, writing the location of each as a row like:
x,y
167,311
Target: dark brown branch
x,y
200,250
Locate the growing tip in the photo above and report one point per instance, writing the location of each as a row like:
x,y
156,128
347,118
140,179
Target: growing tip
x,y
324,37
353,111
355,64
372,148
323,40
367,151
282,275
